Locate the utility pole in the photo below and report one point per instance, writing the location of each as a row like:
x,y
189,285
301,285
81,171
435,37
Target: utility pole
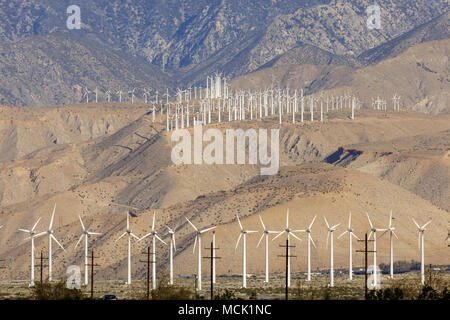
x,y
41,265
366,252
212,258
92,265
148,262
287,256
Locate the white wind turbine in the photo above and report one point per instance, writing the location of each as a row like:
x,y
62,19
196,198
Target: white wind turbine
x,y
50,238
32,236
243,234
422,249
310,240
130,234
155,236
172,249
391,248
330,231
373,231
265,235
86,233
198,238
350,235
288,232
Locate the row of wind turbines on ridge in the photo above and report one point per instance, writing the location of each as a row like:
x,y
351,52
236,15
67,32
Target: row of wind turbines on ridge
x,y
288,231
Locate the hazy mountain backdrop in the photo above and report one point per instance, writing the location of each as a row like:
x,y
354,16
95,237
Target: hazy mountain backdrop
x,y
122,44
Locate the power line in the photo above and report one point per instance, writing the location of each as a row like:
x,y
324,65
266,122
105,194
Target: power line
x,y
148,262
92,265
366,251
212,258
287,256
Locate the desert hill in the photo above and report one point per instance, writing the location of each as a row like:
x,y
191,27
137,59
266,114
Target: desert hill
x,y
418,163
418,75
93,175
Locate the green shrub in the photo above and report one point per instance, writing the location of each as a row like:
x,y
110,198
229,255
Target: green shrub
x,y
386,294
55,291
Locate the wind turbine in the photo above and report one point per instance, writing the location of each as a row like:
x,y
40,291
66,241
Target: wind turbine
x,y
350,235
310,240
288,233
422,249
86,94
243,234
330,231
85,234
391,249
155,236
374,232
265,235
50,237
130,234
172,249
32,236
198,238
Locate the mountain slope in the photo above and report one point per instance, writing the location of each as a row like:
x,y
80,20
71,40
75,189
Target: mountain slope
x,y
45,70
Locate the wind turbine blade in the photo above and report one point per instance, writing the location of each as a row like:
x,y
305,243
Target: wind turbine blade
x,y
239,221
260,239
82,225
423,227
54,238
328,236
153,222
51,219
134,236
342,234
415,223
94,233
195,228
174,245
390,219
326,222
370,234
312,222
370,222
157,237
354,235
195,243
128,220
35,225
287,219
142,238
393,232
170,230
262,223
251,231
313,243
40,234
335,226
79,240
237,242
295,236
279,234
121,236
382,233
349,220
24,230
207,229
